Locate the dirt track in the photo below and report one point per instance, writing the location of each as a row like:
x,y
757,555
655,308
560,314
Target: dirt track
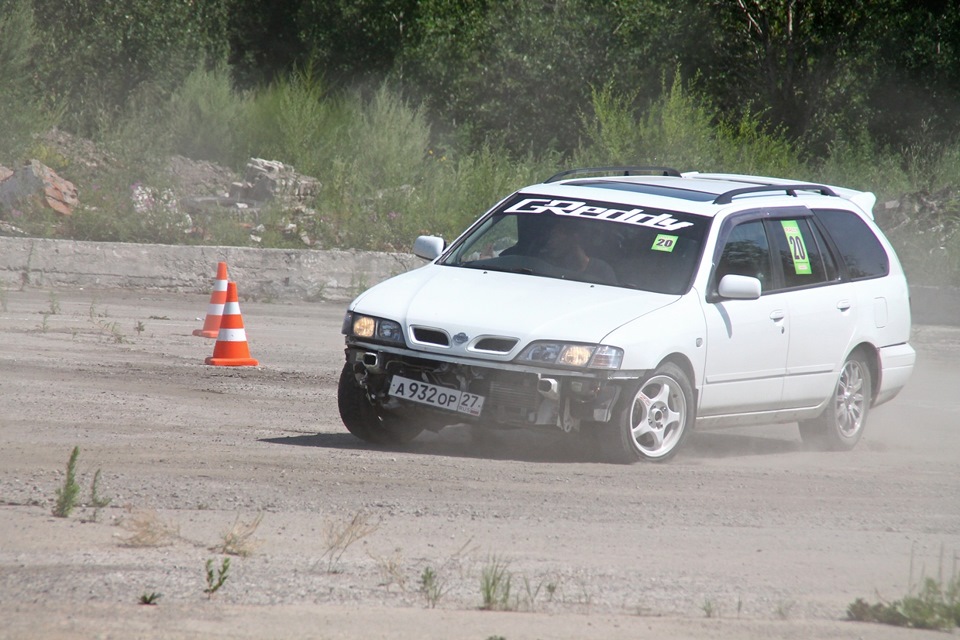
x,y
770,539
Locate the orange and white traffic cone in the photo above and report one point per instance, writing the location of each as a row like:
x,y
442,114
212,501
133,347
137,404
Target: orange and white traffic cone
x,y
231,348
211,326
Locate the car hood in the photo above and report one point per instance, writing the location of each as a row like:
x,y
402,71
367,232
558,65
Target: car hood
x,y
488,303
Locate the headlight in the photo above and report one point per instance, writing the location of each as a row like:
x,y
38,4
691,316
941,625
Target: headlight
x,y
563,354
372,328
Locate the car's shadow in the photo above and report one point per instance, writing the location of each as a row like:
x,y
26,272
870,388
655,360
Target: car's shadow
x,y
462,441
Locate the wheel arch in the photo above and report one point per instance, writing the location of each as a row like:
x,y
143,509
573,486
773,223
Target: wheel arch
x,y
871,355
685,365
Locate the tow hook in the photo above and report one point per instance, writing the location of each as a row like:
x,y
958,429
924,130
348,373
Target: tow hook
x,y
549,388
371,362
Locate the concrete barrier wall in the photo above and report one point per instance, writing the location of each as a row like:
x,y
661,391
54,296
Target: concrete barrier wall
x,y
263,274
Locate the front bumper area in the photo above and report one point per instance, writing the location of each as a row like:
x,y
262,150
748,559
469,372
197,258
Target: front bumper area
x,y
514,395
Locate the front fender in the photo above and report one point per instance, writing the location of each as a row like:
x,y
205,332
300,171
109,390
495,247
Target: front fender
x,y
676,329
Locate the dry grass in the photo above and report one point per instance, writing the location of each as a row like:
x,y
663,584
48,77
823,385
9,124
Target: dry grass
x,y
147,529
339,536
391,569
239,540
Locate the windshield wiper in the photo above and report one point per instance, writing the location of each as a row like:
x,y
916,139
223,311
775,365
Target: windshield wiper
x,y
489,267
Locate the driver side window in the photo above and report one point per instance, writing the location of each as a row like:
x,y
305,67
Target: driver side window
x,y
746,253
500,237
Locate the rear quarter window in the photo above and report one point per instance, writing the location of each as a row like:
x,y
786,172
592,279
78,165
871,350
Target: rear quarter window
x,y
859,248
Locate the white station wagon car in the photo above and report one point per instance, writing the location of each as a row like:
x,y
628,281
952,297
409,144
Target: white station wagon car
x,y
630,305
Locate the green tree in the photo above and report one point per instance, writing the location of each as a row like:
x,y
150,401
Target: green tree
x,y
95,54
916,95
20,110
347,41
824,69
516,72
265,40
356,41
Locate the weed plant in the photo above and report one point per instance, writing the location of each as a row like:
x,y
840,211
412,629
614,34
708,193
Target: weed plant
x,y
495,585
97,500
340,536
433,582
54,307
238,540
216,577
391,569
147,529
68,494
935,605
710,608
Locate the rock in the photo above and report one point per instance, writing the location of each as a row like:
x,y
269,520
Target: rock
x,y
38,183
199,177
266,180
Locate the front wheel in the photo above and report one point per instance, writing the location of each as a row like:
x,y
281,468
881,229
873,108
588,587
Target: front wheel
x,y
366,420
653,419
841,424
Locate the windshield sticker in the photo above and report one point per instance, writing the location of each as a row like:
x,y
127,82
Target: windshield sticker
x,y
663,242
798,250
653,219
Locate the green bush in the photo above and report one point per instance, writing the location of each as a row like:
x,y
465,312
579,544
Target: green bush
x,y
205,114
21,111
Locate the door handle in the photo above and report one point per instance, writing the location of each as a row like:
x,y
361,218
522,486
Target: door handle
x,y
777,315
844,305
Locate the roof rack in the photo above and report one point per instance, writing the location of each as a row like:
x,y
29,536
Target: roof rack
x,y
624,171
790,189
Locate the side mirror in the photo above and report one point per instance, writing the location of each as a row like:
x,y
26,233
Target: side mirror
x,y
739,287
428,247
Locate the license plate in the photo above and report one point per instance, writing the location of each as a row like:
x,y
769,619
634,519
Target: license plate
x,y
431,394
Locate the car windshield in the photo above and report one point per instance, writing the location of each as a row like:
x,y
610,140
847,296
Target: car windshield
x,y
589,241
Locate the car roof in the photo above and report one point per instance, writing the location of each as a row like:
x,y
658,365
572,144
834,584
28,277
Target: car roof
x,y
705,194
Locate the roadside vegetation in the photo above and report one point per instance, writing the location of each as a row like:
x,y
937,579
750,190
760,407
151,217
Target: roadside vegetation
x,y
438,109
934,603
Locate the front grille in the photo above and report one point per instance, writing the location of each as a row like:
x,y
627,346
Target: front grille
x,y
431,336
495,345
513,398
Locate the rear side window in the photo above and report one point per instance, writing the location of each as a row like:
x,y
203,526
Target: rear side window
x,y
860,249
802,261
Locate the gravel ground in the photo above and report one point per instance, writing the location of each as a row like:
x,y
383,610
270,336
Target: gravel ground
x,y
744,535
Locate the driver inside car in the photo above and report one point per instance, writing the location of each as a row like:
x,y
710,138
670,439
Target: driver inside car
x,y
562,248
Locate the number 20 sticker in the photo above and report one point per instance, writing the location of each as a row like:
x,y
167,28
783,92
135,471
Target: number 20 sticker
x,y
664,242
798,250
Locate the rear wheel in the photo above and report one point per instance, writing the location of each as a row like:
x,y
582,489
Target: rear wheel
x,y
653,419
367,421
841,424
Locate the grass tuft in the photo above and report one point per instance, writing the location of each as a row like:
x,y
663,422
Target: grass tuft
x,y
935,606
239,541
432,586
147,529
495,585
67,494
340,536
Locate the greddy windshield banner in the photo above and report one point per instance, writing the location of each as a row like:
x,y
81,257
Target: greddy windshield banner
x,y
653,218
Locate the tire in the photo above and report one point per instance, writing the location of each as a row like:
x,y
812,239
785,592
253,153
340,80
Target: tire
x,y
842,422
367,421
653,418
